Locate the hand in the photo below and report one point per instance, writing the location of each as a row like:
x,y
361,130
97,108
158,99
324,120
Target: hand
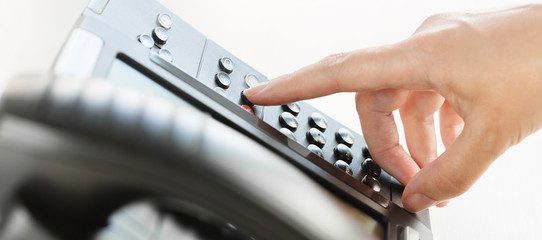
x,y
483,71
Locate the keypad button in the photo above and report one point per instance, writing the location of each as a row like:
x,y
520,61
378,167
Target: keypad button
x,y
146,40
223,80
343,152
316,137
165,54
288,120
370,167
248,109
344,136
366,153
251,80
288,133
317,120
343,166
221,91
245,100
316,150
160,35
165,21
293,108
372,183
226,64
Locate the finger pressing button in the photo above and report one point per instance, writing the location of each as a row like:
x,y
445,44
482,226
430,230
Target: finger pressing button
x,y
245,100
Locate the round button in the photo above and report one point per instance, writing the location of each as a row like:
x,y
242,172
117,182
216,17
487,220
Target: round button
x,y
164,21
372,183
344,136
293,108
316,150
316,137
288,120
343,152
251,80
221,91
146,40
288,133
165,54
160,35
369,167
248,109
226,64
223,80
366,153
317,120
343,166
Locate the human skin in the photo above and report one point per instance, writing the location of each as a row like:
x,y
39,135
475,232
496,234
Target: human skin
x,y
481,70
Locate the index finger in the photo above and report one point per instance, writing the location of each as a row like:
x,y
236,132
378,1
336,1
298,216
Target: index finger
x,y
392,66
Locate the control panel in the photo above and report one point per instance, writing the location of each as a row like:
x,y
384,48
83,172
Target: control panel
x,y
148,37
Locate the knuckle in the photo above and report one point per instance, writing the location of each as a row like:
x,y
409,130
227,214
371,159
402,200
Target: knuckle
x,y
436,17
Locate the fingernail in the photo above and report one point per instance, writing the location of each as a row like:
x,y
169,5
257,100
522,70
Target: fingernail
x,y
418,202
443,204
255,90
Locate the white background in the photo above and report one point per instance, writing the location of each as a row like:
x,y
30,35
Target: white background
x,y
280,36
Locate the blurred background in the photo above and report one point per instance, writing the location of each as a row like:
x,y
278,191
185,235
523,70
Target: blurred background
x,y
280,36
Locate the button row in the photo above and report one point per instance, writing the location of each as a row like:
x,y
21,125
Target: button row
x,y
317,140
227,66
159,37
223,81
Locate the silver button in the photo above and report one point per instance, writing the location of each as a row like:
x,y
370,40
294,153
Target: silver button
x,y
251,80
160,36
221,91
165,21
165,54
146,40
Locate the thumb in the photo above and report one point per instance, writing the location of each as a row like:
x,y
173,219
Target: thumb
x,y
456,170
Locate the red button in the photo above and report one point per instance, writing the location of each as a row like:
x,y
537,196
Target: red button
x,y
248,109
